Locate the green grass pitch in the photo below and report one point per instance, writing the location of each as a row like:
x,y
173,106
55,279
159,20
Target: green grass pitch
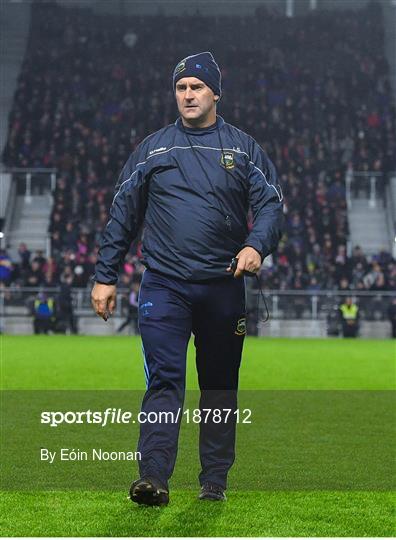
x,y
91,363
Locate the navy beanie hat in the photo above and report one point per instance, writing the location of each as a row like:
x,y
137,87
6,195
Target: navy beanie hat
x,y
203,67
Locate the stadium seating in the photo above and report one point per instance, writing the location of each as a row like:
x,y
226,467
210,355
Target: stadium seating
x,y
312,91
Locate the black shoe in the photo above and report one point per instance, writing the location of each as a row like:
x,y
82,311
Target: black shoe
x,y
148,491
212,492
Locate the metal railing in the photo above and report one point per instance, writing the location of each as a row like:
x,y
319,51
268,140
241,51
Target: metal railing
x,y
370,184
36,181
319,305
282,304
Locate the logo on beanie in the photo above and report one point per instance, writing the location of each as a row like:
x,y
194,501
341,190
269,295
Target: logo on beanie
x,y
198,66
181,66
227,160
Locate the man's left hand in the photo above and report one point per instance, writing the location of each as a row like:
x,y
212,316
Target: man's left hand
x,y
248,260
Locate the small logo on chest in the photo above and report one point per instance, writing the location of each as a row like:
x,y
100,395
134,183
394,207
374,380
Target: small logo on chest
x,y
227,160
157,150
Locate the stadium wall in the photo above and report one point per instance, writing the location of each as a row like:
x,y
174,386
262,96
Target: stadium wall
x,y
290,328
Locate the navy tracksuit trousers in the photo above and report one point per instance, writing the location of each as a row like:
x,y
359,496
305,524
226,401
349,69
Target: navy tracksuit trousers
x,y
169,310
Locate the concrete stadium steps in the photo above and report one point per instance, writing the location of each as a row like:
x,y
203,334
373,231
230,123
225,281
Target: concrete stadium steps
x,y
30,223
368,226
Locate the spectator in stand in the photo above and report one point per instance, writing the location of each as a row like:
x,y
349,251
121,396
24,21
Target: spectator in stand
x,y
70,237
5,268
24,256
49,269
65,312
392,316
34,276
39,258
133,305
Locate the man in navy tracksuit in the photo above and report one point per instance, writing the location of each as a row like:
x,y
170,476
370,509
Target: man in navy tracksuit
x,y
191,184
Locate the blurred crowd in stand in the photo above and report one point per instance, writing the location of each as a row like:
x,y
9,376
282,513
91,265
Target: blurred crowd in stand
x,y
314,91
347,273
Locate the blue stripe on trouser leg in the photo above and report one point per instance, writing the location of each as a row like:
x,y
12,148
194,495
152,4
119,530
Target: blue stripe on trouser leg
x,y
145,367
219,329
165,328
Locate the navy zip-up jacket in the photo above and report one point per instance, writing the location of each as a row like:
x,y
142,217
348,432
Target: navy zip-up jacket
x,y
192,192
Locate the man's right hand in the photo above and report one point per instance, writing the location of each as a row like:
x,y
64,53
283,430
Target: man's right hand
x,y
103,298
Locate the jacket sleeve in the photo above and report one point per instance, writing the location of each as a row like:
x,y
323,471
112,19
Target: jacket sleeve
x,y
126,216
265,198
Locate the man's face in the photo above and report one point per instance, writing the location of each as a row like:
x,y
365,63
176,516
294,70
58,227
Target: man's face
x,y
195,100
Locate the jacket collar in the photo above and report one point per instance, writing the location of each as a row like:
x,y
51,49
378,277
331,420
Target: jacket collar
x,y
200,131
